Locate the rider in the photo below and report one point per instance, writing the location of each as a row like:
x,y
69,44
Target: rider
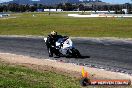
x,y
51,41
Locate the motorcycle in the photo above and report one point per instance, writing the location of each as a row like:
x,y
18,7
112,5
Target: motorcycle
x,y
64,48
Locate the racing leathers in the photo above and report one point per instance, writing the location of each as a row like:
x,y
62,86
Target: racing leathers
x,y
51,43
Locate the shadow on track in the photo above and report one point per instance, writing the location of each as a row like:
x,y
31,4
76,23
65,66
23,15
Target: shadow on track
x,y
81,57
84,57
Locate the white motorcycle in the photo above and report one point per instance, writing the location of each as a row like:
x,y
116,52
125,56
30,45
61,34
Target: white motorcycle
x,y
65,47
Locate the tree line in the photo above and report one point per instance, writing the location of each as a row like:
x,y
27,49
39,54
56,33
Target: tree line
x,y
13,7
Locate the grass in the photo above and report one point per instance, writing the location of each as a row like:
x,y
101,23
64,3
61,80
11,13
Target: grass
x,y
14,76
42,24
20,77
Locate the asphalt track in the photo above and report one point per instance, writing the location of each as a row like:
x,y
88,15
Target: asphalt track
x,y
108,55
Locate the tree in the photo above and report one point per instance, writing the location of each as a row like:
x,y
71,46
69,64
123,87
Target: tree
x,y
59,6
13,7
33,7
40,6
22,8
68,7
27,7
1,8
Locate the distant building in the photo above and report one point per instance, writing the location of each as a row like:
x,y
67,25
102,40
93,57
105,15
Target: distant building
x,y
1,15
4,15
40,10
53,10
125,11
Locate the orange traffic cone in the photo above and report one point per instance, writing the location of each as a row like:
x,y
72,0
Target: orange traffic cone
x,y
84,74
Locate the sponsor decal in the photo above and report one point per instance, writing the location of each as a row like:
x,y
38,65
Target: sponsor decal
x,y
85,81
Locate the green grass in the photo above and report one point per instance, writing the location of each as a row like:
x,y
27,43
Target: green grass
x,y
42,24
13,76
20,77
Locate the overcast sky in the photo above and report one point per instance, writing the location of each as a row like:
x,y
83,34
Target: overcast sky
x,y
110,1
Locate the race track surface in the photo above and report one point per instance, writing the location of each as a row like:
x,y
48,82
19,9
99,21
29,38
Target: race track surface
x,y
108,55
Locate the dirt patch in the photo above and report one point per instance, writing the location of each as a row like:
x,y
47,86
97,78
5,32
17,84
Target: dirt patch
x,y
60,67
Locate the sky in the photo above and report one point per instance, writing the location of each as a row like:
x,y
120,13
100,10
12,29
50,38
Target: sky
x,y
117,1
11,0
109,1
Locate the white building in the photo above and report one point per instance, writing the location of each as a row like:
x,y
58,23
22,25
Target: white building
x,y
1,15
4,15
53,10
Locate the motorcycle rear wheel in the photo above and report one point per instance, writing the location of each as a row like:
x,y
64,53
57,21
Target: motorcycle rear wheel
x,y
76,53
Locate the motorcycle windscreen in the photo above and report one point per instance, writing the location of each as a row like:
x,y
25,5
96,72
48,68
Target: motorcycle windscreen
x,y
67,44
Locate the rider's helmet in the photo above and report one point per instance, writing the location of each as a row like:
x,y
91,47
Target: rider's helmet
x,y
53,33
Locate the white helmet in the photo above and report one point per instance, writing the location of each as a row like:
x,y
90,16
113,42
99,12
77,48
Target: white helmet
x,y
53,33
